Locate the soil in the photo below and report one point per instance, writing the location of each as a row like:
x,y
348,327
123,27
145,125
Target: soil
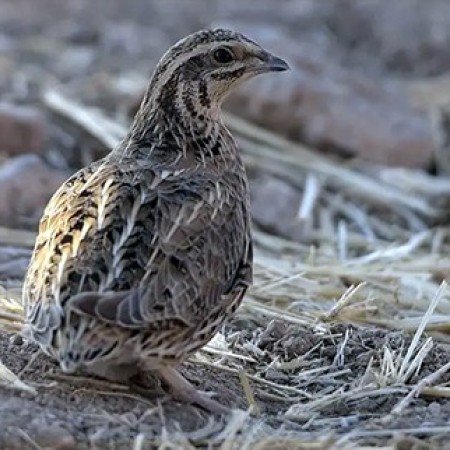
x,y
92,413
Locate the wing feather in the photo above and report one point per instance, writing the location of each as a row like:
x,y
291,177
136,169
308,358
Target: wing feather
x,y
139,250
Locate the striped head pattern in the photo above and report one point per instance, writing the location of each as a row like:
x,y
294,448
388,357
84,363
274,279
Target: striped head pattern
x,y
196,74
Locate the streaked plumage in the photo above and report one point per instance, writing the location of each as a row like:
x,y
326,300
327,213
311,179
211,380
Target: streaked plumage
x,y
142,255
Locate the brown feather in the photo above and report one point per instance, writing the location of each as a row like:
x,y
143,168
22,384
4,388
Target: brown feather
x,y
142,256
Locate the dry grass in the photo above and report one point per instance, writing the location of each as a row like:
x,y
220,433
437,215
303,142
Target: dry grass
x,y
375,254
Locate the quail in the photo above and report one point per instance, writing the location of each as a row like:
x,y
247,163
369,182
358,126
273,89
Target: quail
x,y
142,255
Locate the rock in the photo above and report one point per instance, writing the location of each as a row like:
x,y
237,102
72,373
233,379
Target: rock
x,y
26,185
275,330
13,262
13,269
22,129
334,109
275,204
434,409
54,437
16,339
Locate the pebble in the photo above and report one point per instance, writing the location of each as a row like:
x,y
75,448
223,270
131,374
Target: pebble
x,y
26,185
22,129
16,339
54,437
274,206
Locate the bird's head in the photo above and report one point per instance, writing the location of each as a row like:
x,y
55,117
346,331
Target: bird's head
x,y
197,73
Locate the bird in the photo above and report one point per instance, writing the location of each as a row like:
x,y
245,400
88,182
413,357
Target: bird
x,y
142,256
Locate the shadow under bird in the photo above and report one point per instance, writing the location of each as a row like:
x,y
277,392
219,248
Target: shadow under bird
x,y
142,256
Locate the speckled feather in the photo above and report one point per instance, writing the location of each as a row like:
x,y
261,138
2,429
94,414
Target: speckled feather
x,y
143,255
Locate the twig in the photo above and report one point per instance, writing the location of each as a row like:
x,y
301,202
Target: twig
x,y
254,408
98,384
406,361
415,392
106,131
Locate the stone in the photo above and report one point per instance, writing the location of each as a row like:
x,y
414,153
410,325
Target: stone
x,y
22,129
26,185
275,205
54,437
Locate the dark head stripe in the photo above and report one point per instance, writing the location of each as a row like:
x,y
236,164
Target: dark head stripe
x,y
189,44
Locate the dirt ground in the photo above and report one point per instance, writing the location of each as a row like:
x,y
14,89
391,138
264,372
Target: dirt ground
x,y
80,45
96,414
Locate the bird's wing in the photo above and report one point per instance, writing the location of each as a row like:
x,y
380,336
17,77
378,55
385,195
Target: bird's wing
x,y
80,242
201,259
156,250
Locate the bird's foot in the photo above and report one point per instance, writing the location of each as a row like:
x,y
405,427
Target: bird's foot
x,y
182,390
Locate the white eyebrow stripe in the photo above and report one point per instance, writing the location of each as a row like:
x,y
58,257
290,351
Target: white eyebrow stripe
x,y
177,62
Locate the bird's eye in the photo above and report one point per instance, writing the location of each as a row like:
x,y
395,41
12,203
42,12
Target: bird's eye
x,y
223,55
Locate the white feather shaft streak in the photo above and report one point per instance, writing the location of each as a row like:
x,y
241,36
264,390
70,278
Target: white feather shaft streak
x,y
129,226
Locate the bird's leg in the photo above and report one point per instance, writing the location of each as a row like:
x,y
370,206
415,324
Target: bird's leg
x,y
182,390
118,373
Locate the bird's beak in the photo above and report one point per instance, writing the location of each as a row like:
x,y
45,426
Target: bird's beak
x,y
263,62
275,64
